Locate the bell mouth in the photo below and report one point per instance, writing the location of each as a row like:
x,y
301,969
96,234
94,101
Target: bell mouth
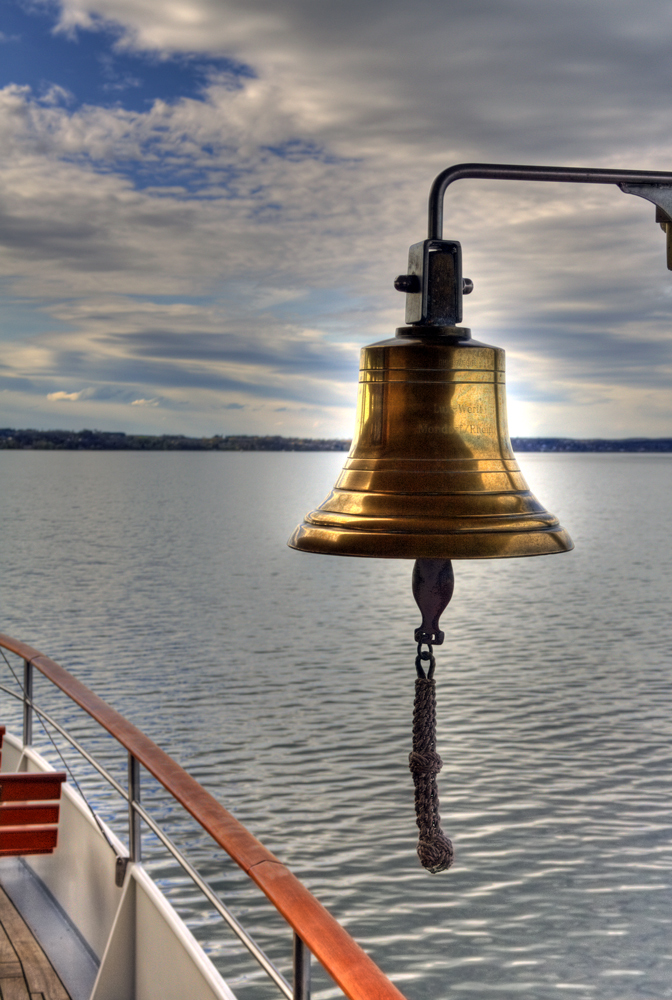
x,y
462,544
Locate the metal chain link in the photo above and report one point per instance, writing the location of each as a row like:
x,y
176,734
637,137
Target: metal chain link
x,y
422,656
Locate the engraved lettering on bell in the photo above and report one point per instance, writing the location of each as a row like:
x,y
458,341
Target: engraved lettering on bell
x,y
471,409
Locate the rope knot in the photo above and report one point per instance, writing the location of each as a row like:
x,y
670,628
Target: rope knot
x,y
426,763
436,854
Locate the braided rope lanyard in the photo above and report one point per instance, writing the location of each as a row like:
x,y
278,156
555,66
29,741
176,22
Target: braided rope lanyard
x,y
435,850
432,587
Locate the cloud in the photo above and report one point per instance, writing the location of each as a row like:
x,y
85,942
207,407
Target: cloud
x,y
237,249
382,73
56,95
69,397
145,402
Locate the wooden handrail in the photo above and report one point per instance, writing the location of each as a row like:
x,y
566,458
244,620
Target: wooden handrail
x,y
349,966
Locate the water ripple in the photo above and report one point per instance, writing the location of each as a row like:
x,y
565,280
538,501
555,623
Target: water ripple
x,y
284,683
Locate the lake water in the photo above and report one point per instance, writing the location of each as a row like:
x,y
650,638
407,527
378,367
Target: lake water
x,y
284,682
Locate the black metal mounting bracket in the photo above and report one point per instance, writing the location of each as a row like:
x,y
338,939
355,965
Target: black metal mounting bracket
x,y
434,285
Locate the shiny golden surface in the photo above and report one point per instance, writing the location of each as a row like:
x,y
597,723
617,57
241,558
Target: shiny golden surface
x,y
431,472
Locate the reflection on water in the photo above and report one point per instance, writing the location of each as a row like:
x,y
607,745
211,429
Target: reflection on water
x,y
284,683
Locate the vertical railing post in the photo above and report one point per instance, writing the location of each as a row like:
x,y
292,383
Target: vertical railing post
x,y
134,843
301,969
27,703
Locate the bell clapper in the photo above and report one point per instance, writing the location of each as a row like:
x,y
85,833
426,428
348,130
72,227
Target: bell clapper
x,y
433,583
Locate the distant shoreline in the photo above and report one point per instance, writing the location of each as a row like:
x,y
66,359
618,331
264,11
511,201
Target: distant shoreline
x,y
86,440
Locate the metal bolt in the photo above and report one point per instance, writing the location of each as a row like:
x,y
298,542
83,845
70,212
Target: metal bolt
x,y
407,283
467,286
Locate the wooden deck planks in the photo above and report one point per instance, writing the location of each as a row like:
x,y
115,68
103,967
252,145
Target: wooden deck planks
x,y
25,971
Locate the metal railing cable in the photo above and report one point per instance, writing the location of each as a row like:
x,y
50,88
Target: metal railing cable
x,y
246,939
28,702
213,898
73,742
315,930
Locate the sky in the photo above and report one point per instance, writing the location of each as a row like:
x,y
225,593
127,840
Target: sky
x,y
204,204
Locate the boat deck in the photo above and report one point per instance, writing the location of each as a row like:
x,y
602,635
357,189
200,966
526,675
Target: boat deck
x,y
25,971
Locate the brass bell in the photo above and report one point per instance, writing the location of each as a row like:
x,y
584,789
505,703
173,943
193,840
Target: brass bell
x,y
431,473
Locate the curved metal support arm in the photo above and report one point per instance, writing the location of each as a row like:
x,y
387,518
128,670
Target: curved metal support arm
x,y
576,175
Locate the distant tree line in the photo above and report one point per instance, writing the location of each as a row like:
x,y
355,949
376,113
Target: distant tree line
x,y
591,444
117,441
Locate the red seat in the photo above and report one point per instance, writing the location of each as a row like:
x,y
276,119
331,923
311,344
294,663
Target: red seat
x,y
29,808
